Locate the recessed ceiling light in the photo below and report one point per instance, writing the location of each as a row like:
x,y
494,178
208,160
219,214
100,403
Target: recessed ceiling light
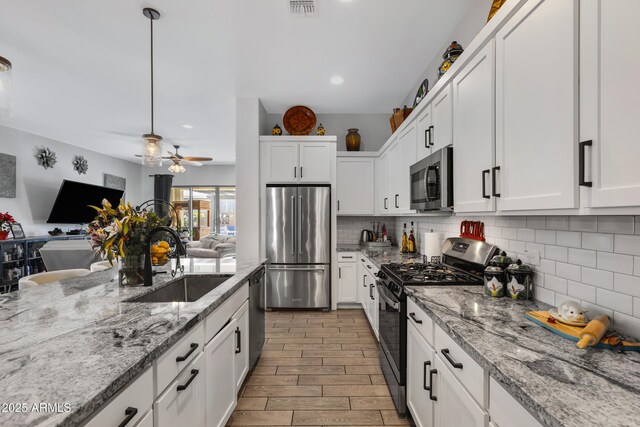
x,y
337,80
187,126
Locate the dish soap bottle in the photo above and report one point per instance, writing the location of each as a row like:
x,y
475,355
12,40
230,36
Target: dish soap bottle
x,y
404,247
412,241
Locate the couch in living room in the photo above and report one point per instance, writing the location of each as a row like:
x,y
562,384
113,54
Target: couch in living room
x,y
215,246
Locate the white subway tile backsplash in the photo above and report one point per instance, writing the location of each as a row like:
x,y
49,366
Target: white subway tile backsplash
x,y
636,307
535,247
517,246
637,226
568,271
562,298
627,244
502,221
518,222
557,223
597,241
582,291
583,223
626,325
546,236
536,222
599,278
556,284
510,233
556,253
582,257
615,262
615,301
526,235
615,224
596,310
629,285
544,295
636,265
572,239
547,266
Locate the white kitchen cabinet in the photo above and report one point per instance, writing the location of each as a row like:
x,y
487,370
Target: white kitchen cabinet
x,y
355,185
361,280
454,406
241,361
316,162
401,156
280,161
420,357
221,395
442,123
505,411
382,184
183,402
374,308
347,283
425,141
607,107
474,133
147,420
130,404
537,107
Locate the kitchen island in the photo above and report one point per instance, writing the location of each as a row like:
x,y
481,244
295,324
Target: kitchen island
x,y
74,344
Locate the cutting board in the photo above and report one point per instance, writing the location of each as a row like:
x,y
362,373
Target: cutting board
x,y
573,332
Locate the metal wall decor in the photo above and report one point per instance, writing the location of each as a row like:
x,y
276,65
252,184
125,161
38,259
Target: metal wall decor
x,y
46,158
80,165
7,176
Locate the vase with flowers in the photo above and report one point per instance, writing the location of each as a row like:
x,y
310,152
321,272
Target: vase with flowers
x,y
5,225
119,235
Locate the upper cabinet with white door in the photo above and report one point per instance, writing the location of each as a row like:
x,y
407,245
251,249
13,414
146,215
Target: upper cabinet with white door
x,y
434,124
355,178
537,107
402,154
382,184
474,136
608,107
297,159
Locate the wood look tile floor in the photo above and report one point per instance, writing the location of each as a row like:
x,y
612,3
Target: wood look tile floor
x,y
317,369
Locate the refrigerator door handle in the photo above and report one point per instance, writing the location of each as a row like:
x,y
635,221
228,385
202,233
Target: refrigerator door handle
x,y
299,220
285,268
293,225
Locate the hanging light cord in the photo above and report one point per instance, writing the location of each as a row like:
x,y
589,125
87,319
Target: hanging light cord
x,y
151,75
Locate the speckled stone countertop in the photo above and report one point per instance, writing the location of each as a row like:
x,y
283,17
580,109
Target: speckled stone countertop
x,y
78,341
558,383
381,256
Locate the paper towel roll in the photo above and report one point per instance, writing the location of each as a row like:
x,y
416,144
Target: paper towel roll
x,y
431,245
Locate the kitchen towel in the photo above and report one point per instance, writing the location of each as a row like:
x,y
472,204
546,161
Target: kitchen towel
x,y
431,245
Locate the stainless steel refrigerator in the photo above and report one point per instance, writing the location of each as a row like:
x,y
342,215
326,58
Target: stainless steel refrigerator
x,y
298,239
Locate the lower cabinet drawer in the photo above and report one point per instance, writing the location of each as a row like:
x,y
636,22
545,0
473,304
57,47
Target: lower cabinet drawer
x,y
216,320
464,368
347,256
131,404
505,411
173,361
422,322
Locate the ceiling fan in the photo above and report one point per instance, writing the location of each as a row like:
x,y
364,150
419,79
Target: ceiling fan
x,y
179,160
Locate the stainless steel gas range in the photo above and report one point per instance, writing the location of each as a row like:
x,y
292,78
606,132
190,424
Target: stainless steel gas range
x,y
463,263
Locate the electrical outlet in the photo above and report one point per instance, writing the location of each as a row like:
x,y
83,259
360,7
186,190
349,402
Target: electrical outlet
x,y
531,257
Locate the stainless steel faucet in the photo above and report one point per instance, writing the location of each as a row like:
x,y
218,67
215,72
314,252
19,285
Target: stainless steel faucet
x,y
180,250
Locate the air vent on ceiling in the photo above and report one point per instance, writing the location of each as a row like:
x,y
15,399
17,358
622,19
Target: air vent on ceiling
x,y
302,8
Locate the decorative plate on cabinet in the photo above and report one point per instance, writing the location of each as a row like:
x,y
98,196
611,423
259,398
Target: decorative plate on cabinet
x,y
299,120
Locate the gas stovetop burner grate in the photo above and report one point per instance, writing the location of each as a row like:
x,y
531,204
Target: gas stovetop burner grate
x,y
428,274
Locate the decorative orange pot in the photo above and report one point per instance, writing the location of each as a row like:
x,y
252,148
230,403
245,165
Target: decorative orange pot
x,y
353,140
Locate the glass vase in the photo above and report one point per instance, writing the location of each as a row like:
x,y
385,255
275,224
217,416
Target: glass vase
x,y
131,270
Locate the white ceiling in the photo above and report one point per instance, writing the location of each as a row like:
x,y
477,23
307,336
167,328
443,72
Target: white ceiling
x,y
81,68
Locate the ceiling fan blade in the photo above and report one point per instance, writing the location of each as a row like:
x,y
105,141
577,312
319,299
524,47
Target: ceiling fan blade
x,y
198,159
190,163
164,157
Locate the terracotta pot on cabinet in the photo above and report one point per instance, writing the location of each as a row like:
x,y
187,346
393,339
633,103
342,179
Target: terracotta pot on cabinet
x,y
353,140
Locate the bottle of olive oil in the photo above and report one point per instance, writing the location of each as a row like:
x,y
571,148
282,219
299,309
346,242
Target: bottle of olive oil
x,y
412,241
404,248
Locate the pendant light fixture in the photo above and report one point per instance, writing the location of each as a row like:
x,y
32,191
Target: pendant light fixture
x,y
5,87
151,143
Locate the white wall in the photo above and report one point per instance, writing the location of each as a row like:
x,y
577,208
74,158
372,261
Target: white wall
x,y
37,188
374,129
464,32
202,176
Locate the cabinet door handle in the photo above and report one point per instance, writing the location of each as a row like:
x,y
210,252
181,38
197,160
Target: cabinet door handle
x,y
581,163
339,272
347,257
295,172
432,132
194,374
484,183
186,356
130,413
300,171
238,340
424,376
431,374
445,352
493,181
371,291
427,137
364,285
415,319
397,201
338,204
385,202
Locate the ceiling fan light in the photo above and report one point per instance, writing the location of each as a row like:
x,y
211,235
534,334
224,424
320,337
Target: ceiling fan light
x,y
177,168
5,87
151,150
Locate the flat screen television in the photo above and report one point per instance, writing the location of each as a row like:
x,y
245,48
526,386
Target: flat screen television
x,y
73,201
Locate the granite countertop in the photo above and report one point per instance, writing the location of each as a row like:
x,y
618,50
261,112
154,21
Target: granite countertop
x,y
78,341
560,384
379,256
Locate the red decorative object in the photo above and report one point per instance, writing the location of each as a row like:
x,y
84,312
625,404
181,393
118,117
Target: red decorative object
x,y
4,235
5,225
472,230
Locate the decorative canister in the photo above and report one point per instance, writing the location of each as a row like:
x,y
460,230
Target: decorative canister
x,y
502,260
320,131
276,131
494,284
520,281
451,54
353,140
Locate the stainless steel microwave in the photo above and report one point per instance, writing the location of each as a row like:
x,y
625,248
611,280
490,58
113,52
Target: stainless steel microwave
x,y
432,181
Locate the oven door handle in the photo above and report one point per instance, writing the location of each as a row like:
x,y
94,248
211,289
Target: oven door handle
x,y
394,305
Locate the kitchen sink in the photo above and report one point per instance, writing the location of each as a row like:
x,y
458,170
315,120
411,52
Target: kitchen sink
x,y
185,289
